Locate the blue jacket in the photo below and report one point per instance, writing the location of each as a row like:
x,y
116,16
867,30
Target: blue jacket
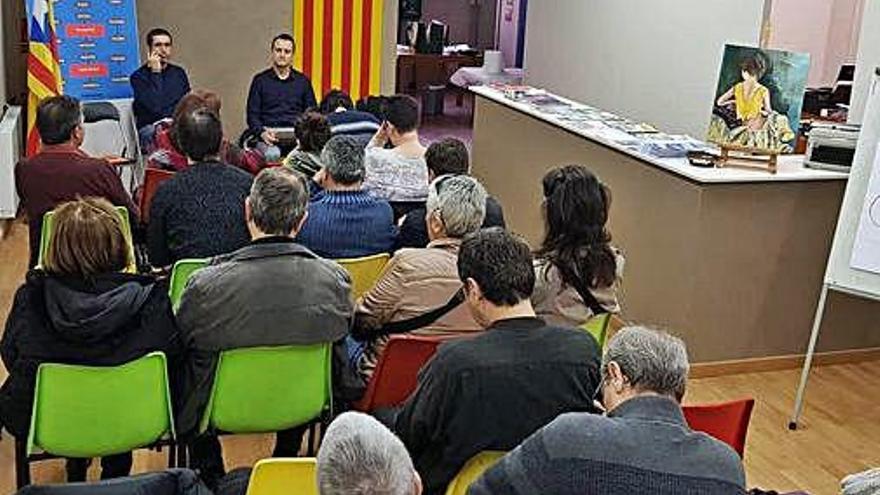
x,y
156,94
348,224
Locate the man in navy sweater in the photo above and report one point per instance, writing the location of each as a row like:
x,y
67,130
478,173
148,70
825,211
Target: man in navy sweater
x,y
278,95
158,84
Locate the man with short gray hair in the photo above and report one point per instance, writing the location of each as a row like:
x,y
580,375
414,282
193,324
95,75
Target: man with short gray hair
x,y
360,456
419,280
345,221
248,298
642,445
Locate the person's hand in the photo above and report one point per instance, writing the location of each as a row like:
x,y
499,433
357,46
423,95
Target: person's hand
x,y
269,137
154,61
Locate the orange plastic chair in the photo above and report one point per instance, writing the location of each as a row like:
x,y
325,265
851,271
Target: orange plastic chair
x,y
728,421
153,177
396,373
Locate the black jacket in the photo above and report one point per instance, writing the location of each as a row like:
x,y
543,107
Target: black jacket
x,y
170,482
492,391
106,322
414,231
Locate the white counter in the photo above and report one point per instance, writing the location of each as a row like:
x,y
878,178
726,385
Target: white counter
x,y
790,167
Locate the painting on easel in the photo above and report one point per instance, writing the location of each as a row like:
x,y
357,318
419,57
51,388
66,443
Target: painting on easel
x,y
759,98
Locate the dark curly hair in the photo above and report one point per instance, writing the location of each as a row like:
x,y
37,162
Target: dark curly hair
x,y
577,242
312,131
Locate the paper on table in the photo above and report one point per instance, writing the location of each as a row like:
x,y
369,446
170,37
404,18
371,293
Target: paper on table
x,y
866,247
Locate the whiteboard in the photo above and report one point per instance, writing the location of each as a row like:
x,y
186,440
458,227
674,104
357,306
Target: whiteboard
x,y
840,273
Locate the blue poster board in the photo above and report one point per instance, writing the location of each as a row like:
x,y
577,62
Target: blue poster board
x,y
98,47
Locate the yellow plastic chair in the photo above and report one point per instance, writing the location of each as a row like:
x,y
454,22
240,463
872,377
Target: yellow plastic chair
x,y
282,476
364,272
473,469
49,227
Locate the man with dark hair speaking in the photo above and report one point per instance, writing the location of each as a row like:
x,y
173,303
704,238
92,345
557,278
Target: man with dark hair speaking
x,y
278,95
158,84
492,391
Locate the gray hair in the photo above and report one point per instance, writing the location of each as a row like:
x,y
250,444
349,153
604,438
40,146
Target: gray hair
x,y
343,159
652,360
359,456
461,202
278,200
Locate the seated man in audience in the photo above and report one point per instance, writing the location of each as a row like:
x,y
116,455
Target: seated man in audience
x,y
272,292
419,280
398,174
158,84
344,220
61,171
345,120
445,157
200,211
277,96
359,455
642,445
312,133
492,391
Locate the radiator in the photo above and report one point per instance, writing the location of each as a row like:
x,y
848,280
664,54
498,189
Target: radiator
x,y
10,151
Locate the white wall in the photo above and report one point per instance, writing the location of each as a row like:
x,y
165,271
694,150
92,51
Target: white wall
x,y
826,29
867,59
653,60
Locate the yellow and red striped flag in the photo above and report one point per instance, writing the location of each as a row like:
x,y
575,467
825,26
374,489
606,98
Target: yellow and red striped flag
x,y
339,44
43,65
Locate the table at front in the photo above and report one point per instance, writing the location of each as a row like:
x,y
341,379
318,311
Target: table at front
x,y
731,260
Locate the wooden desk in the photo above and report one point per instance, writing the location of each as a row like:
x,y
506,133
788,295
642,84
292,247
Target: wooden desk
x,y
731,260
415,72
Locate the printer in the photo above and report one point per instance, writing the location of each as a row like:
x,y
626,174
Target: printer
x,y
832,146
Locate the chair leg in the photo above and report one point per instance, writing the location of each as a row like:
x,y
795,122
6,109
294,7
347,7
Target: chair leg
x,y
22,465
310,444
182,458
172,455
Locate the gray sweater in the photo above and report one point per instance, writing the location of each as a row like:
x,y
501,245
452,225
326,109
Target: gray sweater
x,y
642,446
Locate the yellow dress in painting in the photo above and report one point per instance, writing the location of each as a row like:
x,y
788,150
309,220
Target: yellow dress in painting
x,y
749,107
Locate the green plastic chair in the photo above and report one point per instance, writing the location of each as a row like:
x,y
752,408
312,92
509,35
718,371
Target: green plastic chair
x,y
49,227
597,326
269,389
92,411
180,274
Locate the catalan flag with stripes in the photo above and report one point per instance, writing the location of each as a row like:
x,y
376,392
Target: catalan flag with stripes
x,y
43,64
339,44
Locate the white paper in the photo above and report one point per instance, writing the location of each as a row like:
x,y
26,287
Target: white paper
x,y
866,247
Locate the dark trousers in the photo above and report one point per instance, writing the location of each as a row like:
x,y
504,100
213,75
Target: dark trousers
x,y
113,466
206,454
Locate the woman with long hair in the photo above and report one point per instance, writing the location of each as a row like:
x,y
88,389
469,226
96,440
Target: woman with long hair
x,y
578,270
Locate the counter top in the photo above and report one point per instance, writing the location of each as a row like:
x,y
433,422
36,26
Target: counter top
x,y
790,167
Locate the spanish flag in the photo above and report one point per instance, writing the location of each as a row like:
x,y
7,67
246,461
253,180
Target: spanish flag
x,y
339,44
43,65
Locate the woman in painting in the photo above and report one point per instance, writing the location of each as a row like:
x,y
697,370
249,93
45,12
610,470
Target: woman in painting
x,y
750,98
744,115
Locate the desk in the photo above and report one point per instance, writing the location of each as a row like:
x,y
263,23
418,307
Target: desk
x,y
417,71
731,260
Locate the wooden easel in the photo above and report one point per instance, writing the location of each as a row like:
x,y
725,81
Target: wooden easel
x,y
747,157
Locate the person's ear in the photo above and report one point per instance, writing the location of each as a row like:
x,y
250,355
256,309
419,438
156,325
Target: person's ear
x,y
248,210
299,226
79,133
615,378
417,483
472,289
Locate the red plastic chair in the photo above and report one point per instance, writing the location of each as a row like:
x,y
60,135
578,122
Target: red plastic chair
x,y
396,373
153,177
728,422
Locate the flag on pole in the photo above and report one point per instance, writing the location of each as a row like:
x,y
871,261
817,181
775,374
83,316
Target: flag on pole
x,y
339,44
43,64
